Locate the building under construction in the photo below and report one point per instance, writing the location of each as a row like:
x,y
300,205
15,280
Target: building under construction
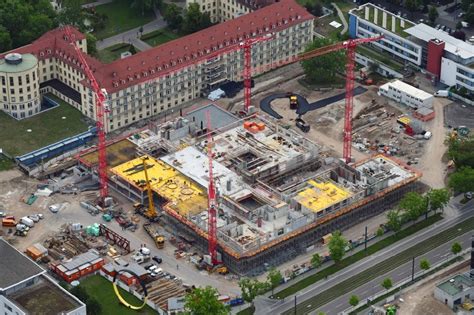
x,y
277,195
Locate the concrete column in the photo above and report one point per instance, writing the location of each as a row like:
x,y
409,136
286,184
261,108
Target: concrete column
x,y
367,12
394,20
384,19
376,13
402,23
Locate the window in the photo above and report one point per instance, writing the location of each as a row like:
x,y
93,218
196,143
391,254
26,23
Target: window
x,y
8,307
11,81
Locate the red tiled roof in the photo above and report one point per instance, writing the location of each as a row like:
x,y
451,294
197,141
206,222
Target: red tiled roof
x,y
165,58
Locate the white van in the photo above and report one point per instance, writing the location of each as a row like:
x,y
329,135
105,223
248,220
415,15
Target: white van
x,y
27,221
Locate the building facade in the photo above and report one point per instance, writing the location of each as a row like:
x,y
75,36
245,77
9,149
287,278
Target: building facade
x,y
224,10
370,20
19,86
165,77
406,94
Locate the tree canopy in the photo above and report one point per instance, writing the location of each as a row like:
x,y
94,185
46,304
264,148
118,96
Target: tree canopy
x,y
195,20
203,301
251,288
438,198
323,69
456,248
387,283
146,5
433,14
173,16
425,264
22,21
394,220
353,300
316,260
414,205
274,278
462,180
337,246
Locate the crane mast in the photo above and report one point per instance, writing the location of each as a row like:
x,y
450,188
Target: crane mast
x,y
101,110
211,199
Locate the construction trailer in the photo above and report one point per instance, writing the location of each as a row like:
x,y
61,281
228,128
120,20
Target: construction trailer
x,y
79,266
277,196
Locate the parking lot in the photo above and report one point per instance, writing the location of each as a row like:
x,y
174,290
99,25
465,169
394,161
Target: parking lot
x,y
457,114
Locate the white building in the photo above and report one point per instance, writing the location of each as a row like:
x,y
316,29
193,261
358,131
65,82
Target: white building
x,y
454,291
406,94
25,288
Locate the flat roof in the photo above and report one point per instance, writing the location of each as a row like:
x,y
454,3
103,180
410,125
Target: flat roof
x,y
185,195
321,195
381,167
195,165
80,260
407,88
219,117
117,153
452,44
456,285
28,62
15,267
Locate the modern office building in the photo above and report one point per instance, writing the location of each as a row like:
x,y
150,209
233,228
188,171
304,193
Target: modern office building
x,y
25,288
370,20
165,77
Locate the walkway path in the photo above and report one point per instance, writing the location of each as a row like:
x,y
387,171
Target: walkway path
x,y
133,36
341,17
94,4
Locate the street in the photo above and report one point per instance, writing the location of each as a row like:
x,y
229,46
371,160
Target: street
x,y
381,256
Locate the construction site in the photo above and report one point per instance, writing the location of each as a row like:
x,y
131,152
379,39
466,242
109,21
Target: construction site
x,y
277,194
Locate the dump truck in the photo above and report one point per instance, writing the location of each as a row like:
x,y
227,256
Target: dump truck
x,y
158,238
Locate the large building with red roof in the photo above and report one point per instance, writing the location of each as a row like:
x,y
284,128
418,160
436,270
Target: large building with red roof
x,y
163,78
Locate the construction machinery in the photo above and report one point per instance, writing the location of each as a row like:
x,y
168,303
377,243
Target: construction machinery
x,y
211,200
293,102
158,238
101,109
150,213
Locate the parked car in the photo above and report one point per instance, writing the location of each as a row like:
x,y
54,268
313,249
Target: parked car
x,y
157,259
448,30
443,28
53,208
40,216
148,266
2,214
460,15
34,217
438,26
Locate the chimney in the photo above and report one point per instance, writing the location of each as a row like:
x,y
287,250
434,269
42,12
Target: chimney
x,y
472,257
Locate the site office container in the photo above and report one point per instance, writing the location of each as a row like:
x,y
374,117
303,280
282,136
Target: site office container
x,y
9,222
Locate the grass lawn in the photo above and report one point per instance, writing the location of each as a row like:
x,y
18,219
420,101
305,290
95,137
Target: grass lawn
x,y
121,17
5,163
101,288
323,27
159,37
47,128
112,53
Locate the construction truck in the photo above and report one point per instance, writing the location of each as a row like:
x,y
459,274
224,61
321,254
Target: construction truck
x,y
158,238
300,123
293,102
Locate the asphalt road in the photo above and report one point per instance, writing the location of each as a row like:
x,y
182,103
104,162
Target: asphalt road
x,y
437,255
379,257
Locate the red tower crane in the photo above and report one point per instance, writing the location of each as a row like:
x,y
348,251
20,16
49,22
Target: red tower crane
x,y
247,47
100,99
211,200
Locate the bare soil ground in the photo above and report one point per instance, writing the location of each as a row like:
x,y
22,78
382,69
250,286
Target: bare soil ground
x,y
420,300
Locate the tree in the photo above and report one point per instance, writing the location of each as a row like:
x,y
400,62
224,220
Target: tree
x,y
194,19
203,301
251,288
387,283
456,248
461,151
172,16
438,198
316,260
458,25
337,246
5,39
462,180
314,8
145,5
379,232
323,69
72,14
394,222
91,44
465,4
274,278
425,264
411,5
353,300
414,205
433,14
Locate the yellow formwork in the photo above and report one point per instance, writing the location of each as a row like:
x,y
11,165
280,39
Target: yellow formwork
x,y
184,195
321,196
